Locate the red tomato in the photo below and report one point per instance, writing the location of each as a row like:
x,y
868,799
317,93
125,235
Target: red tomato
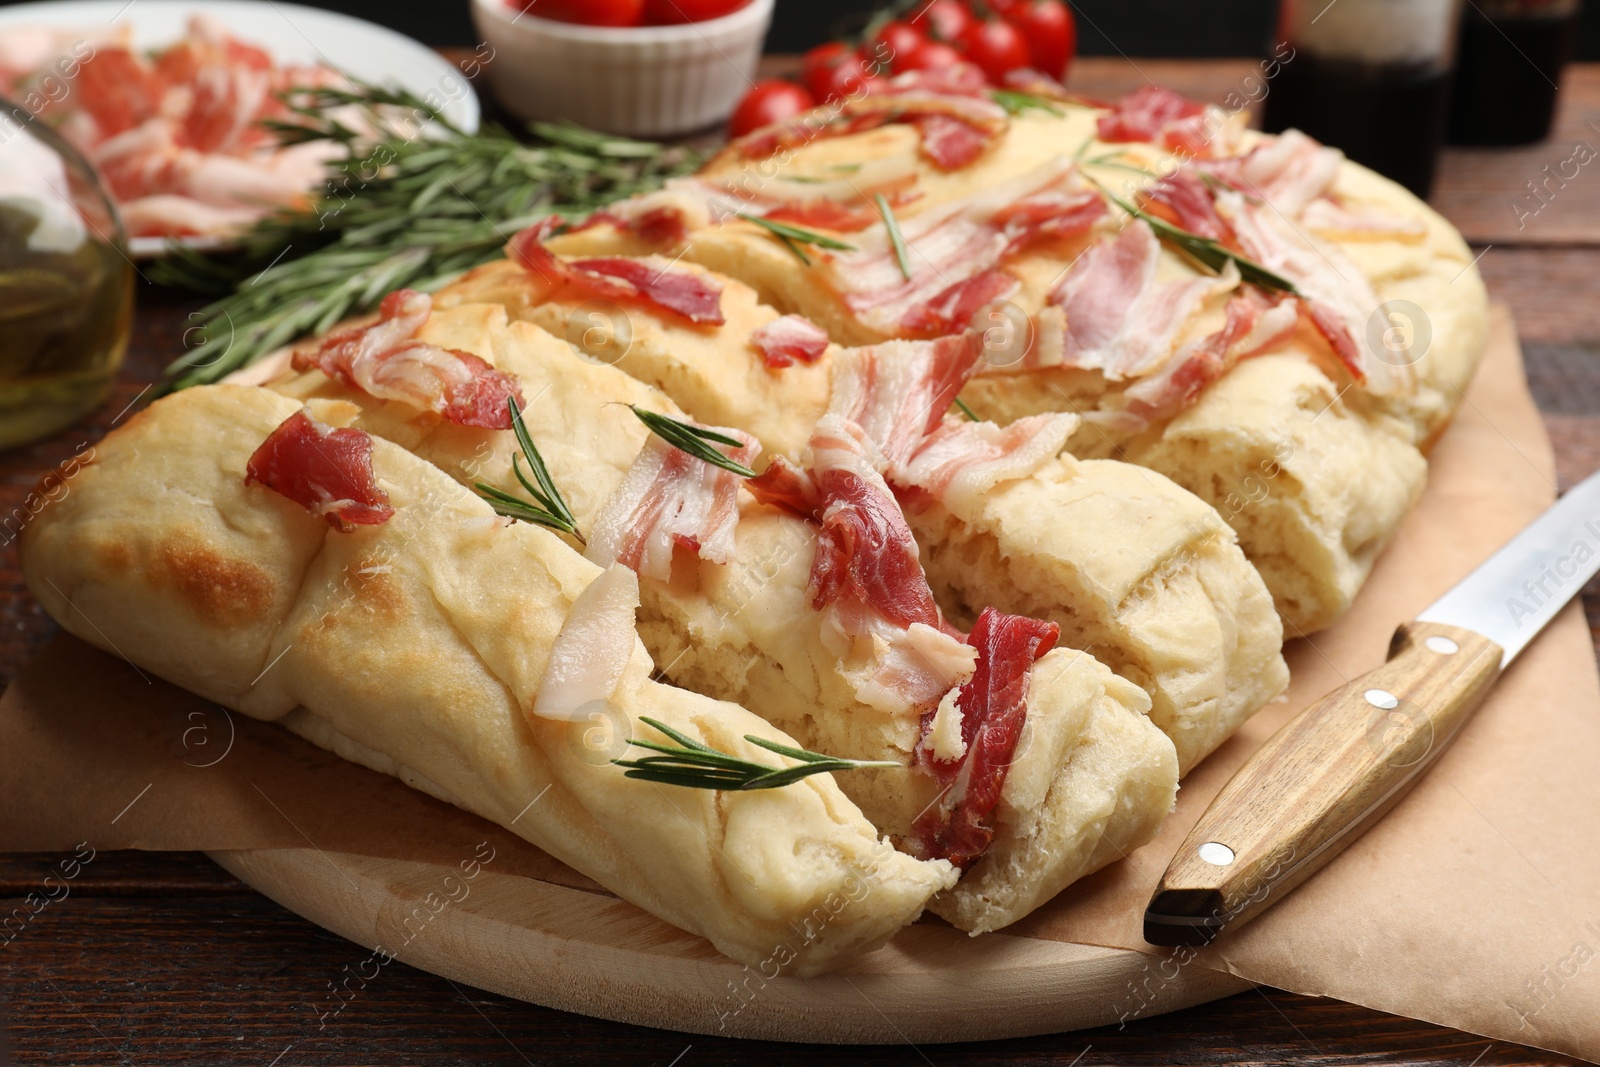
x,y
933,55
1051,33
771,100
997,47
667,12
588,12
895,43
944,20
832,71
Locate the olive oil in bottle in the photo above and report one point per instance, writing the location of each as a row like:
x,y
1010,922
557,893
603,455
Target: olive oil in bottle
x,y
66,283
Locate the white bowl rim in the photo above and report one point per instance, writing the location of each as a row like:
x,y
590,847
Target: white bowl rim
x,y
500,11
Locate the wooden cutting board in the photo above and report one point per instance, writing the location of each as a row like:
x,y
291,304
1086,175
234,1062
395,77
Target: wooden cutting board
x,y
584,950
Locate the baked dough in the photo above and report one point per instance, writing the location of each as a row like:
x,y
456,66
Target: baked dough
x,y
1315,551
418,647
1092,777
1134,569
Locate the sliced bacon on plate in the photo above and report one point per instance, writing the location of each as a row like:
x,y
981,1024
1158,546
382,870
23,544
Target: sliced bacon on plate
x,y
788,340
616,278
384,360
1119,319
994,706
327,471
668,499
957,241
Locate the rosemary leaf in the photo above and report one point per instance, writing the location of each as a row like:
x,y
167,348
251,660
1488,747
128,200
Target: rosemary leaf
x,y
962,404
1206,251
798,233
548,508
896,238
697,441
1016,102
697,766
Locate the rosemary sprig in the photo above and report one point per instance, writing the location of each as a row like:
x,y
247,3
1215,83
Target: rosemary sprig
x,y
795,236
409,211
896,238
1205,250
965,410
695,440
697,766
548,508
1016,102
1112,160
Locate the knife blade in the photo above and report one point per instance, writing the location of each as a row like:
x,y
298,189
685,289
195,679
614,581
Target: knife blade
x,y
1339,765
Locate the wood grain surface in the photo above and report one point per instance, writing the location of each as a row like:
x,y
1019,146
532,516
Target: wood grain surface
x,y
165,958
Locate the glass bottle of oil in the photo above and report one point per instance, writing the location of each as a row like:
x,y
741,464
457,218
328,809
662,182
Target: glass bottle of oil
x,y
66,282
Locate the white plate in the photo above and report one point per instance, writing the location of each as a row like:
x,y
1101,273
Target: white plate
x,y
290,32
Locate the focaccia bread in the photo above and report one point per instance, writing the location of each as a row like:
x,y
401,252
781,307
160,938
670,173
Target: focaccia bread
x,y
1091,776
421,647
1393,321
1127,563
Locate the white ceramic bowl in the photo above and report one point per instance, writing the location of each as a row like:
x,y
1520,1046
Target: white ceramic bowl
x,y
645,81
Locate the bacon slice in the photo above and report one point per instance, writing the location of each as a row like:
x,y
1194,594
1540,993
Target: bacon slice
x,y
385,361
1183,200
1289,171
1335,294
1253,323
898,391
954,308
951,109
670,498
790,339
1119,319
615,278
786,487
993,705
1157,116
327,471
1332,220
957,241
962,460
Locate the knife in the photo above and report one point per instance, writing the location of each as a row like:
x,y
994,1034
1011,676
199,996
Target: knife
x,y
1338,766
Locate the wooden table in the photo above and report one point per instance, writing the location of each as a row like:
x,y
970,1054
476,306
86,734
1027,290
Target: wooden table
x,y
161,958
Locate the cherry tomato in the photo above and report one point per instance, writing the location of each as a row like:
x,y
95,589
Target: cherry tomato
x,y
771,100
832,71
1050,31
933,55
667,12
588,12
996,47
895,43
944,20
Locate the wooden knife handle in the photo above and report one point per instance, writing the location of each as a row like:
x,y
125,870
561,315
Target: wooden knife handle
x,y
1321,780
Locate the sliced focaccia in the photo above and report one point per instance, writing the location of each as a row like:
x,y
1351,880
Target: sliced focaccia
x,y
232,543
1133,568
1014,759
1021,227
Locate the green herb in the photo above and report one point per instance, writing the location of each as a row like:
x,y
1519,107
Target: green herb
x,y
1110,159
698,766
411,211
1016,102
695,440
794,236
1205,250
548,508
846,168
895,237
968,412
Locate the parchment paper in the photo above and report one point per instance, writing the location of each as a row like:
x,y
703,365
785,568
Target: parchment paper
x,y
1474,904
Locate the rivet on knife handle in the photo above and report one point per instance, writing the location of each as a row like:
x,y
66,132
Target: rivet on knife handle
x,y
1321,780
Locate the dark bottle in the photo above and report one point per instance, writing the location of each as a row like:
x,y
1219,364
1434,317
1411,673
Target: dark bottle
x,y
1511,57
1370,77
